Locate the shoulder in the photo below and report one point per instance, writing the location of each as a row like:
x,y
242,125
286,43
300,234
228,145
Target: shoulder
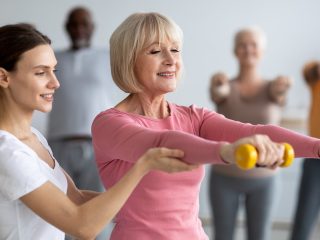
x,y
41,138
97,52
19,168
12,148
192,110
111,116
9,144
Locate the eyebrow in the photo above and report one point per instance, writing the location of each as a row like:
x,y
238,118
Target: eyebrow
x,y
42,66
160,44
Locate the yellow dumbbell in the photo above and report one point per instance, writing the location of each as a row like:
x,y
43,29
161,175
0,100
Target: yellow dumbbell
x,y
246,156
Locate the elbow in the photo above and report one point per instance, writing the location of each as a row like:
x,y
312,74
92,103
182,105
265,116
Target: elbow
x,y
85,233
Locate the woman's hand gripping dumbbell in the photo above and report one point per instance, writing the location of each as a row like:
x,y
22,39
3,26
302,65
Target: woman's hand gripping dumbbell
x,y
246,156
258,151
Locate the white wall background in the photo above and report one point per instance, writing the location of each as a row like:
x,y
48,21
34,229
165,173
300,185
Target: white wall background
x,y
292,28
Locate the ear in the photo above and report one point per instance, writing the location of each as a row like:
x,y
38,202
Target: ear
x,y
4,79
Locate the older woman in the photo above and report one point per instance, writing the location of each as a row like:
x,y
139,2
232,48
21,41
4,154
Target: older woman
x,y
146,63
248,97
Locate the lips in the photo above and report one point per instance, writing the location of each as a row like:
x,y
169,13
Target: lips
x,y
47,96
166,74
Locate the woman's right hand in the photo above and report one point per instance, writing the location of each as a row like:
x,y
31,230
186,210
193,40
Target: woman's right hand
x,y
165,159
270,153
219,88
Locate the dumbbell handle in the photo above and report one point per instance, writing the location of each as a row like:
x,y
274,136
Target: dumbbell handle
x,y
246,156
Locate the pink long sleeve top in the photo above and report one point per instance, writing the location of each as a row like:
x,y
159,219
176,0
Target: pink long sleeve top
x,y
165,206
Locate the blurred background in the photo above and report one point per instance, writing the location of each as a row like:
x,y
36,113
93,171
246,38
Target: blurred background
x,y
293,37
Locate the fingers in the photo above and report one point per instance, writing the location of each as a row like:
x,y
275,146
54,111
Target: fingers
x,y
282,82
175,165
167,152
167,160
219,78
270,154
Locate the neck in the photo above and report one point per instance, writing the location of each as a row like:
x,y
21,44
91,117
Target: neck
x,y
76,48
248,74
154,107
18,125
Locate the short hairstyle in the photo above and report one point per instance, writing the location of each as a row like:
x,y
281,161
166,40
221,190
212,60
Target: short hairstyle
x,y
135,33
253,30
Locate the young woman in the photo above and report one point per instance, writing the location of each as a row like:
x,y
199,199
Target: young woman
x,y
38,200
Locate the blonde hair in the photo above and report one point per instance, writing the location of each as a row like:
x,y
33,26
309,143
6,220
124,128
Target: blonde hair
x,y
255,30
135,33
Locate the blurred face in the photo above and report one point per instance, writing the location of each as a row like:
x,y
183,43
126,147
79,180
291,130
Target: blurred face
x,y
158,67
248,49
80,28
33,83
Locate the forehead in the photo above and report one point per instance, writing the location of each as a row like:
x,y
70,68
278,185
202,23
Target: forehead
x,y
161,32
248,35
41,55
80,15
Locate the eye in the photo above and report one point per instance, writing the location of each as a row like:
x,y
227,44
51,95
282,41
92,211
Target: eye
x,y
40,73
154,51
175,50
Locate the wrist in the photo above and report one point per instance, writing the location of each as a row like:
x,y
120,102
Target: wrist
x,y
143,166
225,155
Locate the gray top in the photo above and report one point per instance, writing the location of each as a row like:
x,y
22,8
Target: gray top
x,y
257,109
85,90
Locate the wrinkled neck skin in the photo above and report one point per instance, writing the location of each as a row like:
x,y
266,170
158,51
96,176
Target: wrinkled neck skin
x,y
146,105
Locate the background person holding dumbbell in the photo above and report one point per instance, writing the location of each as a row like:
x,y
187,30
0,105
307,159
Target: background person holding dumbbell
x,y
250,98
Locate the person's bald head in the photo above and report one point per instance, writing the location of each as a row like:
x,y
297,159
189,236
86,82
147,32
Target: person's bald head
x,y
79,26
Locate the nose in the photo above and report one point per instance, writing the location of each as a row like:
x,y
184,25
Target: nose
x,y
169,58
54,83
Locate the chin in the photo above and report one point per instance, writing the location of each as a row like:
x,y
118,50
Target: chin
x,y
45,110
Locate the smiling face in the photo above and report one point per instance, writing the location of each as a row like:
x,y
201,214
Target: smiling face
x,y
158,67
249,48
32,84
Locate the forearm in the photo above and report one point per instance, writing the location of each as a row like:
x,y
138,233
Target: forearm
x,y
218,128
127,141
304,146
99,211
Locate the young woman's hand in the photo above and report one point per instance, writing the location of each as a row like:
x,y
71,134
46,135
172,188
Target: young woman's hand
x,y
165,159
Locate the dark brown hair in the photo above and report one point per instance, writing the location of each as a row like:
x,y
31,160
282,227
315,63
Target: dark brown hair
x,y
310,71
16,39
